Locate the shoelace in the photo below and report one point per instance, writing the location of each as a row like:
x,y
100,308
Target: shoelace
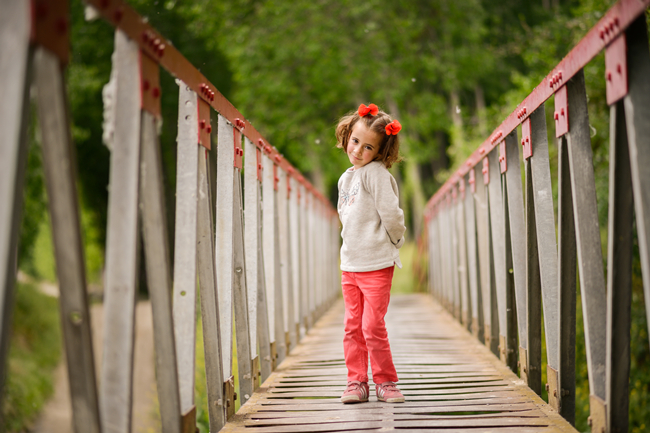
x,y
353,387
389,387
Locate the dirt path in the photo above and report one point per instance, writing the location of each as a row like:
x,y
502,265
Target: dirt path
x,y
57,413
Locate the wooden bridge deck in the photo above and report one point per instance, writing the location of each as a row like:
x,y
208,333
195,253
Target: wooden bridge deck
x,y
450,380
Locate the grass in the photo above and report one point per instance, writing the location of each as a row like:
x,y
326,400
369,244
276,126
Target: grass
x,y
35,350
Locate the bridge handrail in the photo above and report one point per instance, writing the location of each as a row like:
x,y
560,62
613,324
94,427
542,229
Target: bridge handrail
x,y
492,253
273,269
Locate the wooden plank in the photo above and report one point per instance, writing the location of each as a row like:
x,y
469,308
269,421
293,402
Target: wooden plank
x,y
61,180
224,238
185,243
294,227
16,73
271,259
590,258
531,359
240,302
258,313
567,258
121,243
284,238
637,113
545,224
517,226
497,226
481,207
209,298
619,272
251,239
307,399
156,251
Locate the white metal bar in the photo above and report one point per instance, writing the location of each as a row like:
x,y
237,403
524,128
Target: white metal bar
x,y
268,243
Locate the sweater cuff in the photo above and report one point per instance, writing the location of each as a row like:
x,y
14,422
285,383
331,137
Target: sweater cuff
x,y
399,243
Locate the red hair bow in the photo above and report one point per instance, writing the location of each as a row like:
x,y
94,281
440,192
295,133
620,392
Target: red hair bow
x,y
393,128
364,110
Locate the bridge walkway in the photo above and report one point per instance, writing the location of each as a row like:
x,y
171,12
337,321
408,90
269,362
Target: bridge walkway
x,y
450,381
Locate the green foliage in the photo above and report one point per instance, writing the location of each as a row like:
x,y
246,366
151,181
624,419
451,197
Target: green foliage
x,y
34,353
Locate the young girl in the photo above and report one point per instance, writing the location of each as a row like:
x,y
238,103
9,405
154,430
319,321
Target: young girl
x,y
373,231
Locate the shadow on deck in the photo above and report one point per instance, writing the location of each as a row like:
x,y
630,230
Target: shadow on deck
x,y
450,381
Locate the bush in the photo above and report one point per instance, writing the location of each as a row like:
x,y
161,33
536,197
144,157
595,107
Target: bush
x,y
35,350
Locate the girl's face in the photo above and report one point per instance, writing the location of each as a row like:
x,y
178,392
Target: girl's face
x,y
363,145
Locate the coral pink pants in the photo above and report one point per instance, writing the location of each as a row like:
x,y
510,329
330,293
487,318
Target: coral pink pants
x,y
366,296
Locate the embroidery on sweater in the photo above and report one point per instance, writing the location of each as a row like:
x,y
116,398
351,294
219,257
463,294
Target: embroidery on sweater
x,y
348,196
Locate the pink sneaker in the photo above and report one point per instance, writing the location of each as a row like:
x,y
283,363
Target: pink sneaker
x,y
355,392
389,393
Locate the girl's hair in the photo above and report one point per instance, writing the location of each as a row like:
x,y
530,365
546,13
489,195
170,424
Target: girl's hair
x,y
389,146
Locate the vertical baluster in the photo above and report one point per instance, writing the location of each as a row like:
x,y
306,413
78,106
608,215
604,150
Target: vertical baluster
x,y
567,257
590,259
294,224
310,266
497,226
60,174
444,284
121,244
433,250
637,113
257,313
532,364
268,250
156,252
619,272
482,229
224,248
16,70
547,247
455,276
517,228
285,257
240,300
304,258
185,251
508,353
472,260
462,263
209,298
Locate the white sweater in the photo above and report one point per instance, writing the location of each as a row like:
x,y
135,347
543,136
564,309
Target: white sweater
x,y
373,223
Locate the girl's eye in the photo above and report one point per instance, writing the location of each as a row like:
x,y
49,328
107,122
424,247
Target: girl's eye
x,y
368,148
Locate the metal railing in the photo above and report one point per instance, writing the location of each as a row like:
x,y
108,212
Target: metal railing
x,y
492,253
271,269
